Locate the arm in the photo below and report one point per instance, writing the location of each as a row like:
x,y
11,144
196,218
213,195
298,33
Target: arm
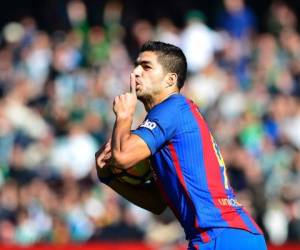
x,y
146,196
127,148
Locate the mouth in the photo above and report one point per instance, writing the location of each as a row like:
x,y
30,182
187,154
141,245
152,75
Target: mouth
x,y
138,85
138,88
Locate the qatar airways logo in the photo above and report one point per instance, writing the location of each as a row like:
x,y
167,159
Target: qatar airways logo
x,y
148,124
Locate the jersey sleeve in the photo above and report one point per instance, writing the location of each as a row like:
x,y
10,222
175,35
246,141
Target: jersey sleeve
x,y
158,127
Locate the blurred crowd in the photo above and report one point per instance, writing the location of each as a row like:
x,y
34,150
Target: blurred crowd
x,y
56,93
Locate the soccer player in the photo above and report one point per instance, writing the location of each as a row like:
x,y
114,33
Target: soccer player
x,y
189,172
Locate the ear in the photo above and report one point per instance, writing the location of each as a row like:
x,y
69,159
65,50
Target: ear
x,y
171,79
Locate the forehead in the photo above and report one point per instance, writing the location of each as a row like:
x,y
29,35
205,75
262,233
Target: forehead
x,y
147,56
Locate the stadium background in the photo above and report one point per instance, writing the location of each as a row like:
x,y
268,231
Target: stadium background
x,y
62,63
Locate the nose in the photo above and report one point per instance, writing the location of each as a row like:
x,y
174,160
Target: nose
x,y
137,70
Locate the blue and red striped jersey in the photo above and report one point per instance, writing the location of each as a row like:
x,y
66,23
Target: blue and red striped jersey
x,y
189,170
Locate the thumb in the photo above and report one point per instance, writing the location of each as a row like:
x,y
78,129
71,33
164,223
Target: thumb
x,y
132,84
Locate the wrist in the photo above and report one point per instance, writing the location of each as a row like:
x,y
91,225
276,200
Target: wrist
x,y
124,117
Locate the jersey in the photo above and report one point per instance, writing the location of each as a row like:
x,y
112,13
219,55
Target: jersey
x,y
189,170
232,239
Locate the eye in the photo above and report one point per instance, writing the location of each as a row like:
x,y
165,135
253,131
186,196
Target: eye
x,y
146,67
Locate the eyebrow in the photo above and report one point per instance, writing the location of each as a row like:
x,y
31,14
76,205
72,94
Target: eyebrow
x,y
142,62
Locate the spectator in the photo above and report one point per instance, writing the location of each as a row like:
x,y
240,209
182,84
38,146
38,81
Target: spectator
x,y
56,93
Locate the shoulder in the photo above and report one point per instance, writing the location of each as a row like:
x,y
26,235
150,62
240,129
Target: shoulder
x,y
169,107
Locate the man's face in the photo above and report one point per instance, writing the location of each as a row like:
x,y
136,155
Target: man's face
x,y
149,74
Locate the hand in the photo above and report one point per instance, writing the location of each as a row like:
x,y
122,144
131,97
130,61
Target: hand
x,y
103,155
125,104
103,158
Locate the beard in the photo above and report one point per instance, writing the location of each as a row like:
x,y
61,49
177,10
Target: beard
x,y
143,96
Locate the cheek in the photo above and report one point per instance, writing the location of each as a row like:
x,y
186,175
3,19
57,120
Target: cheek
x,y
156,77
152,80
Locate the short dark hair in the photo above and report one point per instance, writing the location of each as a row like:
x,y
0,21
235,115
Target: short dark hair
x,y
170,57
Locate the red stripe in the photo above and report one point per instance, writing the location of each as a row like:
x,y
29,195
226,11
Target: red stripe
x,y
213,173
196,247
176,162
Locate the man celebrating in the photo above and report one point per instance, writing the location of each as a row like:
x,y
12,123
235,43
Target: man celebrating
x,y
190,174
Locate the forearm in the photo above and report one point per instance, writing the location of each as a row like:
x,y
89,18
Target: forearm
x,y
146,196
127,148
121,133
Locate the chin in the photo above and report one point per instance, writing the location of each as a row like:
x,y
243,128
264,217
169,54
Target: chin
x,y
139,93
139,96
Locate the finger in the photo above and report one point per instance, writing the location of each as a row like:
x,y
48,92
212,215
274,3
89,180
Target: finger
x,y
101,157
122,98
103,148
103,162
102,153
97,154
132,84
107,146
116,100
107,156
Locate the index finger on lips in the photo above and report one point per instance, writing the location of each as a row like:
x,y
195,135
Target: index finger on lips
x,y
132,84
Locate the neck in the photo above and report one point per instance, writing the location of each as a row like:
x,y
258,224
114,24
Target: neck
x,y
151,101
